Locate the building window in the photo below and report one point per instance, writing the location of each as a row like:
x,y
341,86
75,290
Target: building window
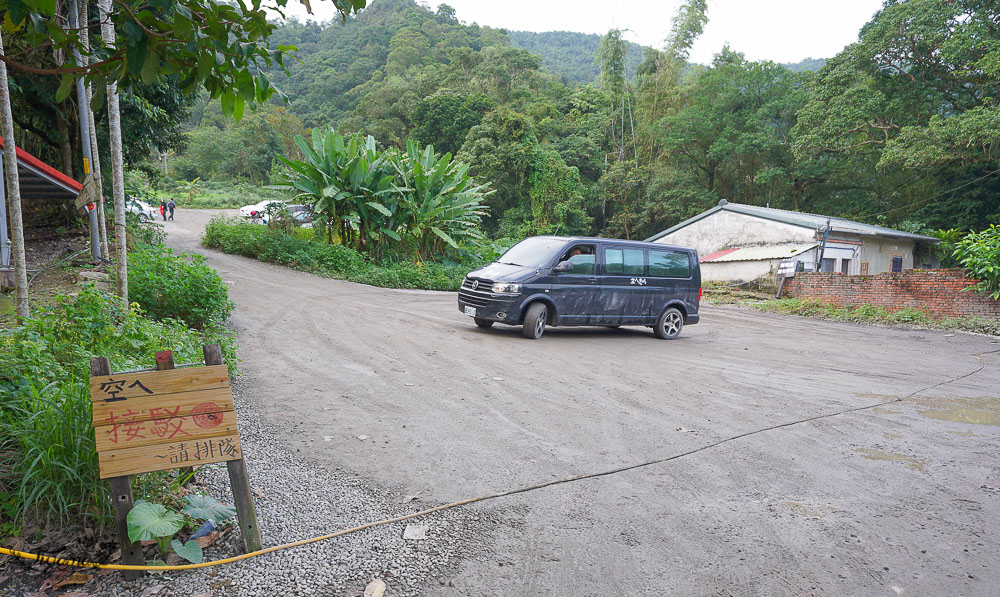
x,y
864,268
845,265
897,264
827,265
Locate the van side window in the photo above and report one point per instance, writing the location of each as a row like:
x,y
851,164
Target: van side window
x,y
624,262
669,264
635,262
613,261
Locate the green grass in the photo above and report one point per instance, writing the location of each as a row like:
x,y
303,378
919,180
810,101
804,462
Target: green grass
x,y
865,314
299,250
218,195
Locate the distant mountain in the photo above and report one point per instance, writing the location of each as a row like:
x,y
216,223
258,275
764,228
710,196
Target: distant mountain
x,y
812,64
571,55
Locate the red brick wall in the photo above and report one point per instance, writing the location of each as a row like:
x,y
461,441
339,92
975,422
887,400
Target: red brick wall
x,y
938,292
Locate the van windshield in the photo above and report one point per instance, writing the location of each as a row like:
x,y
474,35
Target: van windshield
x,y
533,252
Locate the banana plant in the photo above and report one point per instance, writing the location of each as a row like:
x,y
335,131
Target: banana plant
x,y
441,202
368,197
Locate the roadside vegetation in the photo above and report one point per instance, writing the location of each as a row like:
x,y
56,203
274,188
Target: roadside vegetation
x,y
214,194
302,249
864,314
48,461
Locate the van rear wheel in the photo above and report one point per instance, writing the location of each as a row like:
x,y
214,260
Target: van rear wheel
x,y
483,323
534,321
669,325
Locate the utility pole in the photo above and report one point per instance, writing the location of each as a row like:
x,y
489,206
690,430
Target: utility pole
x,y
83,110
117,174
96,151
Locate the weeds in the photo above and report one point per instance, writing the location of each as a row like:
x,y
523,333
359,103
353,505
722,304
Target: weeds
x,y
867,314
184,287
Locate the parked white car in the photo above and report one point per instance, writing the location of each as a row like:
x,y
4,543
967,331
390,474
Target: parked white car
x,y
260,207
145,211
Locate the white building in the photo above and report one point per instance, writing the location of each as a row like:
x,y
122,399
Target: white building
x,y
737,243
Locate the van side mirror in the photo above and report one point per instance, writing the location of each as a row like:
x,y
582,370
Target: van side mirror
x,y
564,266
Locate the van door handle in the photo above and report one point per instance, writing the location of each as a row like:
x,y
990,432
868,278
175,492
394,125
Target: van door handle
x,y
593,280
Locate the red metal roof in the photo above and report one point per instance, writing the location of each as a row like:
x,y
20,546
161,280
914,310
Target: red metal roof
x,y
716,255
41,169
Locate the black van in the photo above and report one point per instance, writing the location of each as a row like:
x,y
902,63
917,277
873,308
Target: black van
x,y
558,280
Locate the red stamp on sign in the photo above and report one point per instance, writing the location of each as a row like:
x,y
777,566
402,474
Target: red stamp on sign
x,y
206,415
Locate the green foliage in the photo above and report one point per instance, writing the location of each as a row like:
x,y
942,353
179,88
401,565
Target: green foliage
x,y
220,195
45,420
570,55
243,150
443,119
182,287
375,200
149,521
207,508
335,261
215,45
48,436
979,254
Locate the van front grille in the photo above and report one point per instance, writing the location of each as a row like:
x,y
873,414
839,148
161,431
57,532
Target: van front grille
x,y
476,299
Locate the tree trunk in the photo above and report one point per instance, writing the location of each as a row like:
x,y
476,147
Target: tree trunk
x,y
13,196
117,167
95,148
65,149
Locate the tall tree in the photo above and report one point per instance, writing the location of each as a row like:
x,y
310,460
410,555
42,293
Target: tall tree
x,y
13,195
117,166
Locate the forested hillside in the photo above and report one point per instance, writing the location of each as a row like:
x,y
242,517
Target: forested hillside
x,y
570,54
863,137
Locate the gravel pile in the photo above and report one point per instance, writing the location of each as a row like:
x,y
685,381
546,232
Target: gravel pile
x,y
296,502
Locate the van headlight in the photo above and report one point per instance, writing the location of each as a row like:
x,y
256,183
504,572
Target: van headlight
x,y
506,288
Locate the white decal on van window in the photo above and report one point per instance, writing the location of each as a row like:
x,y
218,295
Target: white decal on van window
x,y
639,281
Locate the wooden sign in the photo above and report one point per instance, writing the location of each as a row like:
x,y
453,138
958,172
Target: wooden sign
x,y
157,420
165,419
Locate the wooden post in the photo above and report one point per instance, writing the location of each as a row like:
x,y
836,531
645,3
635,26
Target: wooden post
x,y
238,480
164,361
121,497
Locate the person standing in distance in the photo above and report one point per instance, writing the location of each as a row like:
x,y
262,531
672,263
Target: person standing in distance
x,y
163,210
171,205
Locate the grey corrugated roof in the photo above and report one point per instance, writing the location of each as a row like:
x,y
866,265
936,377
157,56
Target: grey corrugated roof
x,y
806,220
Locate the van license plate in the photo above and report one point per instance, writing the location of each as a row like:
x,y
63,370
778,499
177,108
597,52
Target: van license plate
x,y
470,311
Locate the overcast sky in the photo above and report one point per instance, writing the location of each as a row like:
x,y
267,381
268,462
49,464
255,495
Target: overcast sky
x,y
778,30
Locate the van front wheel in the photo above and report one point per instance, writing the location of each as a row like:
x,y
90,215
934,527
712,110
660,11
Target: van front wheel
x,y
534,321
669,325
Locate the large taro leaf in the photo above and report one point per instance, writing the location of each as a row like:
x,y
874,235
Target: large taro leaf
x,y
152,521
190,551
207,507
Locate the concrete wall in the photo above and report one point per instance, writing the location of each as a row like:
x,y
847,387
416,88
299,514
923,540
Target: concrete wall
x,y
938,292
878,252
736,271
728,229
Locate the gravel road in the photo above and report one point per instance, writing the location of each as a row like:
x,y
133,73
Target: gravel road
x,y
900,499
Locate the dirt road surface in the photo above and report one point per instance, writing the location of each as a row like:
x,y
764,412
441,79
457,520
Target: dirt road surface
x,y
902,499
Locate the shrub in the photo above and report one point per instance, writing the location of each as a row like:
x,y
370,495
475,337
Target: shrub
x,y
979,254
169,286
335,261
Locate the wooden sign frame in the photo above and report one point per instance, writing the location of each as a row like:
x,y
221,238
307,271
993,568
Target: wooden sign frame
x,y
162,419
